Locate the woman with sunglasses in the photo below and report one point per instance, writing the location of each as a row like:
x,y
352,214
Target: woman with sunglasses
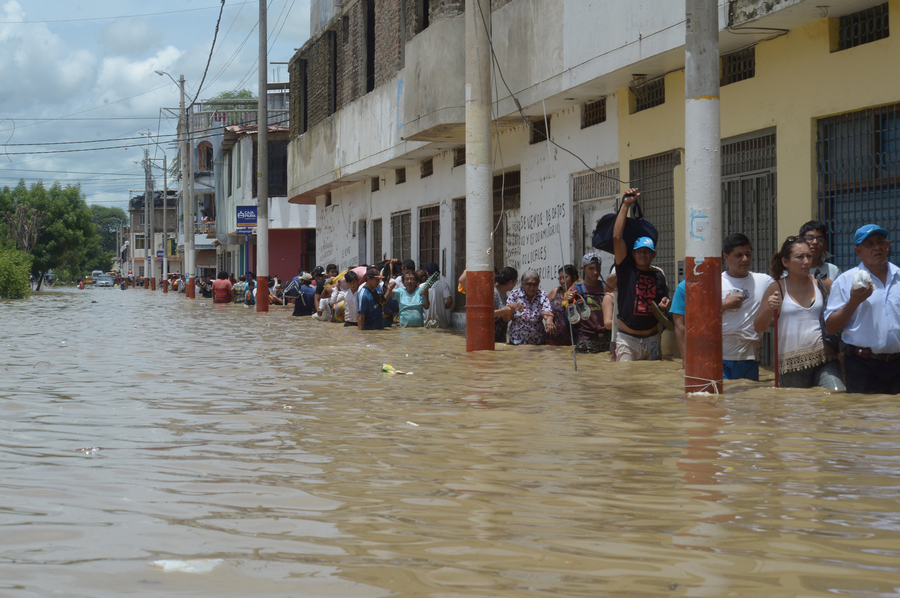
x,y
805,360
531,308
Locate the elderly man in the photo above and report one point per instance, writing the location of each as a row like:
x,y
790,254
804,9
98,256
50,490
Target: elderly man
x,y
639,285
865,304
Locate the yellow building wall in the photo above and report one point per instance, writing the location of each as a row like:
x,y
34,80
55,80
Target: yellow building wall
x,y
798,80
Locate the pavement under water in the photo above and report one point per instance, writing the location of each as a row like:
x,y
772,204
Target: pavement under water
x,y
146,428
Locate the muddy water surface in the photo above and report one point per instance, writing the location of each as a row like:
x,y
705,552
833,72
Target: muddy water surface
x,y
145,427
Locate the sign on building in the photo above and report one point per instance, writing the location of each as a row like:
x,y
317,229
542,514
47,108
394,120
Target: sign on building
x,y
246,220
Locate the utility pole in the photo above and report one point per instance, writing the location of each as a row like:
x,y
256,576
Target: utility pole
x,y
262,210
152,222
148,240
165,226
188,184
479,180
703,186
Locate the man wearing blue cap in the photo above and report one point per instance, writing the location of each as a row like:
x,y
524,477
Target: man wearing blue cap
x,y
639,285
865,304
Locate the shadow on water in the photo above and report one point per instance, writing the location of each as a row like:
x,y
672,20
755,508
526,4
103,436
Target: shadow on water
x,y
148,428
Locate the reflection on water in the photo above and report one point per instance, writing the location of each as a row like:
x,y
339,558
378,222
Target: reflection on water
x,y
145,427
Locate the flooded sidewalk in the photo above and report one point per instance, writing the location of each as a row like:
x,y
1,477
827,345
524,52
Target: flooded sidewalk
x,y
274,455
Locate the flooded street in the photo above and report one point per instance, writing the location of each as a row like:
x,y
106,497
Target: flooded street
x,y
146,427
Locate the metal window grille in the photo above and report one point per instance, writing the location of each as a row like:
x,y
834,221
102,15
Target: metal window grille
x,y
653,175
376,184
427,168
863,27
593,195
593,113
459,250
400,176
507,197
738,66
858,171
648,94
429,235
540,129
459,156
401,233
593,185
377,250
750,204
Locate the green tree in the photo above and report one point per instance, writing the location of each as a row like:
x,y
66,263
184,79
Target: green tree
x,y
108,221
244,94
69,240
14,269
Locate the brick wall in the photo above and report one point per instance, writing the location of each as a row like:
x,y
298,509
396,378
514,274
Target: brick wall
x,y
437,9
296,72
320,73
388,41
351,56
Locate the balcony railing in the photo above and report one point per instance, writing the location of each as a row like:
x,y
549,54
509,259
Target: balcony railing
x,y
202,122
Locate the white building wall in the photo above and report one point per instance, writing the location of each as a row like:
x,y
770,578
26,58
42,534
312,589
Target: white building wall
x,y
540,233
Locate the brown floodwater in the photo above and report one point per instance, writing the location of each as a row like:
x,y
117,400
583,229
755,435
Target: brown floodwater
x,y
139,427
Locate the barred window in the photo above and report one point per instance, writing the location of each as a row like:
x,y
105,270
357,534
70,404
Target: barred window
x,y
863,27
648,94
738,66
459,250
459,156
427,168
401,233
377,250
540,129
400,176
429,235
376,184
593,113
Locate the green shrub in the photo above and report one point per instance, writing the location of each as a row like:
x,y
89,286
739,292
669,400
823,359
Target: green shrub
x,y
15,268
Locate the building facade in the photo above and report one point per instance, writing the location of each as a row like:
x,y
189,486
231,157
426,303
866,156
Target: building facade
x,y
809,130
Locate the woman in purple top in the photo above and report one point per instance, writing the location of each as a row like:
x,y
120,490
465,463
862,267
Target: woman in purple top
x,y
530,307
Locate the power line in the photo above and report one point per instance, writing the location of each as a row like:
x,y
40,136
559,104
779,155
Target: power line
x,y
149,14
213,47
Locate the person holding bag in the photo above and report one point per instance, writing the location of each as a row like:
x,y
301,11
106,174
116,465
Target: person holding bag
x,y
798,301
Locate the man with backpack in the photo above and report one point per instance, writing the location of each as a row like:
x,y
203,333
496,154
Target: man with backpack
x,y
639,286
305,304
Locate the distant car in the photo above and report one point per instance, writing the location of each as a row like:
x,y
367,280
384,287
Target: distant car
x,y
105,280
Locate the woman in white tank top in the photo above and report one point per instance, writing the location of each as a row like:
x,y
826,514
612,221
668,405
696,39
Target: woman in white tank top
x,y
804,359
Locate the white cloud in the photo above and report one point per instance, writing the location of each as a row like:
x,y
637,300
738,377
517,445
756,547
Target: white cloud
x,y
130,37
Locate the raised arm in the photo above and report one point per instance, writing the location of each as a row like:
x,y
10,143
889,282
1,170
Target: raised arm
x,y
619,228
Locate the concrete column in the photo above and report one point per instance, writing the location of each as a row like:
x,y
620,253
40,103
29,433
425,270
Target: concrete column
x,y
703,200
262,210
479,178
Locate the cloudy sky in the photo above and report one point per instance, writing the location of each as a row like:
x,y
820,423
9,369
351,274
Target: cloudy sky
x,y
82,71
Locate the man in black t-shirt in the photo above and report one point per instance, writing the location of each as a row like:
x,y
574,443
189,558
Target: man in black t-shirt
x,y
639,285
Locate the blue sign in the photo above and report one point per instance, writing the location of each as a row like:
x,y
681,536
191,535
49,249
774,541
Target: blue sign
x,y
159,254
246,219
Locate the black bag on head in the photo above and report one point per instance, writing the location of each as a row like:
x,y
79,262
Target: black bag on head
x,y
635,228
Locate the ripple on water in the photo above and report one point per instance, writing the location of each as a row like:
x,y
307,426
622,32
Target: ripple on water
x,y
164,429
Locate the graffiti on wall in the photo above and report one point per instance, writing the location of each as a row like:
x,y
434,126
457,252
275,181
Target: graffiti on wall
x,y
539,241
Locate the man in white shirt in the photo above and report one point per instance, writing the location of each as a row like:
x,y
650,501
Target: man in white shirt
x,y
742,293
815,233
350,304
868,313
440,299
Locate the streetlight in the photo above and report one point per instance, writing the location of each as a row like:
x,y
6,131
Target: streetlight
x,y
187,190
165,226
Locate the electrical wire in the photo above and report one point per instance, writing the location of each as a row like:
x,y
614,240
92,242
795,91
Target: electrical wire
x,y
527,121
213,47
149,14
